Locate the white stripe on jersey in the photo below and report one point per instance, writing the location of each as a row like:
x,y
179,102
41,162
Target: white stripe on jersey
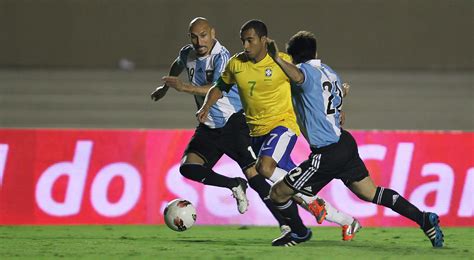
x,y
206,70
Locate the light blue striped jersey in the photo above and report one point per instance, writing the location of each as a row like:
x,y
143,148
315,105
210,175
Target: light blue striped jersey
x,y
206,70
318,102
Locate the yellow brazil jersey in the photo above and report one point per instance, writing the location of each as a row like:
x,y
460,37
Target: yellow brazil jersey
x,y
264,91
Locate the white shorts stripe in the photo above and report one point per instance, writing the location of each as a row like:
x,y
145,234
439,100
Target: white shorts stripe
x,y
309,172
282,145
301,181
314,168
306,177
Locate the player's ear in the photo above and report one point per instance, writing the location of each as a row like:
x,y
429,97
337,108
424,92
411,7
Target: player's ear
x,y
264,39
213,33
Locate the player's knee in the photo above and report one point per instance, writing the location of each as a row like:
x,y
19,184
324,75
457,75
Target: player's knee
x,y
277,194
265,169
250,172
273,194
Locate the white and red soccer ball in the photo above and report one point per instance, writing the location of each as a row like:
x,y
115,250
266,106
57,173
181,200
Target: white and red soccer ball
x,y
180,215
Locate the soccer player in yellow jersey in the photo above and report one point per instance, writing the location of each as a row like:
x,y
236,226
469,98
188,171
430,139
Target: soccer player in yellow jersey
x,y
264,90
265,94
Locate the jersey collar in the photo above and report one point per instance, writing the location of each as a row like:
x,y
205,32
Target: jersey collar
x,y
217,48
314,63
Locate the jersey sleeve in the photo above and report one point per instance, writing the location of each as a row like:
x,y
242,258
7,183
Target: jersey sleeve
x,y
220,62
227,79
183,55
285,57
309,72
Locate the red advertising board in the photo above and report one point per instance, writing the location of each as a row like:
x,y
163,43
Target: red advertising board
x,y
127,176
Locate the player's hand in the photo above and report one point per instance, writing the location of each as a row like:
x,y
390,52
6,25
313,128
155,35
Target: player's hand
x,y
201,114
159,93
174,82
272,49
345,89
342,117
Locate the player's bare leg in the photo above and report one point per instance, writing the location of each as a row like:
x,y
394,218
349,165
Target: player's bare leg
x,y
366,190
266,166
193,168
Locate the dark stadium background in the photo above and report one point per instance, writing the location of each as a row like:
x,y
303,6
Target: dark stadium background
x,y
88,64
409,63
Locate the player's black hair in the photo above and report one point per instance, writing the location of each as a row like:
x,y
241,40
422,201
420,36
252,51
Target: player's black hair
x,y
302,47
259,27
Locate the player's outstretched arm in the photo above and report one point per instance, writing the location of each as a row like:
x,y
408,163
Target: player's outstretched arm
x,y
345,91
179,85
160,92
212,96
290,69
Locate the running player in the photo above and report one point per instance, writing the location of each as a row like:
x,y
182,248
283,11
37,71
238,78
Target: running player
x,y
265,93
224,131
334,155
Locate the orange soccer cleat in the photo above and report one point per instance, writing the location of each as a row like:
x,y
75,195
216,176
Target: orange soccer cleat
x,y
349,231
318,208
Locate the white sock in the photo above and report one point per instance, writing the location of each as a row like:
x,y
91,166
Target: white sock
x,y
336,216
305,198
278,174
333,215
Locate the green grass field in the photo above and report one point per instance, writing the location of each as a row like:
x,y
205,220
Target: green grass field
x,y
229,242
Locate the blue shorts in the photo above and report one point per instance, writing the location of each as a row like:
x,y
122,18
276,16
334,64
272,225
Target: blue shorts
x,y
277,144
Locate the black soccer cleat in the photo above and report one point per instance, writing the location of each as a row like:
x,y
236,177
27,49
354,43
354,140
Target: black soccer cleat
x,y
292,239
432,229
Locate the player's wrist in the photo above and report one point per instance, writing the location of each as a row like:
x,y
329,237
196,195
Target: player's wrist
x,y
188,88
278,60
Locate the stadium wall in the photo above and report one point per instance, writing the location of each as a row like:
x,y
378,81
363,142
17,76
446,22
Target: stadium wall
x,y
364,34
128,176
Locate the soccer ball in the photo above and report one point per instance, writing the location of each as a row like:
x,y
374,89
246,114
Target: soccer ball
x,y
180,215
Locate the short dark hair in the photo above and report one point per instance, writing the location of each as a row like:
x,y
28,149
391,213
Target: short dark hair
x,y
302,46
259,27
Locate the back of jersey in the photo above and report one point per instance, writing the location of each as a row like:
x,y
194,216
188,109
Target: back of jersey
x,y
318,102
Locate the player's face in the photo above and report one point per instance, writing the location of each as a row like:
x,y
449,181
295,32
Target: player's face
x,y
202,38
254,46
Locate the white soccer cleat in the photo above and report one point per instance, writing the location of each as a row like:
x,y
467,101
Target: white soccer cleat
x,y
238,192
